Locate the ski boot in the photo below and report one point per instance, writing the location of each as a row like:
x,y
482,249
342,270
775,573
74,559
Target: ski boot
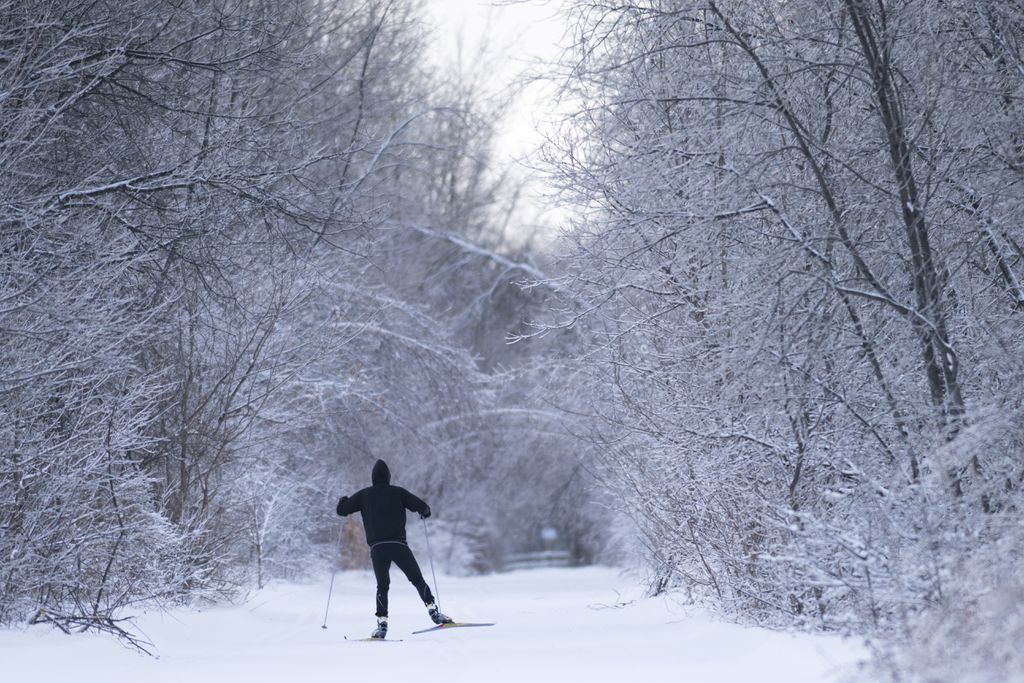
x,y
436,616
381,631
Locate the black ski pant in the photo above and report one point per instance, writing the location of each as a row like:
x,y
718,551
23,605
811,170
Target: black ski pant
x,y
383,554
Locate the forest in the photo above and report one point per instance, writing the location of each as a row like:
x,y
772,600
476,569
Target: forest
x,y
772,359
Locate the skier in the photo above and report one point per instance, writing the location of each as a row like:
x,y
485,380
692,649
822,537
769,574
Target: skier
x,y
383,509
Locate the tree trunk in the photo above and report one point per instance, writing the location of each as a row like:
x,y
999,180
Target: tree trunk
x,y
929,319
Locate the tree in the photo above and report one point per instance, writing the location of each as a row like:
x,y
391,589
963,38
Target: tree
x,y
194,212
783,274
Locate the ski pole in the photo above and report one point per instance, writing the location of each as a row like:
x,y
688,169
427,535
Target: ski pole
x,y
430,556
329,592
334,572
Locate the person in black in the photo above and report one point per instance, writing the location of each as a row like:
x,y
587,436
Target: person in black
x,y
383,509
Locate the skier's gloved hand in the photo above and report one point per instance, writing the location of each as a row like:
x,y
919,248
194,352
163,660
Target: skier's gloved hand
x,y
341,504
425,513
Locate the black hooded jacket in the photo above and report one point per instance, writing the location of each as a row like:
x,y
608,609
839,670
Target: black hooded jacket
x,y
383,507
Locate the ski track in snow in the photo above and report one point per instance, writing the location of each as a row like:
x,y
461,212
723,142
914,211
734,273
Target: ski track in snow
x,y
552,625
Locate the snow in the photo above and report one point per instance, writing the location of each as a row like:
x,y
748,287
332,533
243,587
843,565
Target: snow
x,y
552,624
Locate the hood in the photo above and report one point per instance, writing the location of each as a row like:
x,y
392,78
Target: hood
x,y
381,473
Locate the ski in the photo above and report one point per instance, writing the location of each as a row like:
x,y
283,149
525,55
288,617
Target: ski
x,y
372,640
453,624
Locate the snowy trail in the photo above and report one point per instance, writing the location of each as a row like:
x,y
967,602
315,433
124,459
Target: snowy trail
x,y
553,625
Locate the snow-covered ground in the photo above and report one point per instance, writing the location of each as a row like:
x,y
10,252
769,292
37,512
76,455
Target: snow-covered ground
x,y
552,625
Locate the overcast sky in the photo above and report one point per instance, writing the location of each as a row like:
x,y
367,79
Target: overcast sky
x,y
501,43
508,39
